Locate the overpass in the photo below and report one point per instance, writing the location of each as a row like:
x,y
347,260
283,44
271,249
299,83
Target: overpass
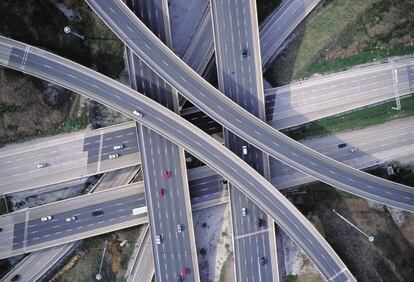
x,y
45,65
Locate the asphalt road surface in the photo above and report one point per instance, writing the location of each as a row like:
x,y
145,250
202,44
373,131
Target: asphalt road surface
x,y
236,119
115,95
176,250
240,79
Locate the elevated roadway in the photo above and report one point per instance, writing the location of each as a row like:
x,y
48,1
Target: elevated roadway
x,y
207,189
286,106
53,68
211,101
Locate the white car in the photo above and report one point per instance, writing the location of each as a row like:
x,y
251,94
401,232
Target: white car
x,y
118,147
72,218
138,114
158,239
244,149
46,218
113,156
244,211
179,228
41,165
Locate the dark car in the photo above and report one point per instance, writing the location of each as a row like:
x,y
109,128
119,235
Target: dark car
x,y
1,229
96,213
260,222
263,260
342,145
15,278
161,193
245,53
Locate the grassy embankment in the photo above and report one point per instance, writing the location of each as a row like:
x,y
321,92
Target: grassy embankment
x,y
90,253
25,110
343,33
358,119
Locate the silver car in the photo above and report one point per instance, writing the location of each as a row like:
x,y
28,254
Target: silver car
x,y
158,239
113,156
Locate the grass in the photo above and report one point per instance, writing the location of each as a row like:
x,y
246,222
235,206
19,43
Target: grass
x,y
70,125
91,252
223,271
358,119
390,257
8,108
3,207
265,8
344,33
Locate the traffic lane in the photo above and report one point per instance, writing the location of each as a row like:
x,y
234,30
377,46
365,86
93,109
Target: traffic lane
x,y
58,227
154,203
264,137
184,246
269,201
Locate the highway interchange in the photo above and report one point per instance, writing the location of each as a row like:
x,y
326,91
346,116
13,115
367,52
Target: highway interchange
x,y
202,94
36,62
48,66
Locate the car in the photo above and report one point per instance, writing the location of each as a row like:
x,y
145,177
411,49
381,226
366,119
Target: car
x,y
113,156
1,229
179,228
118,147
166,174
352,150
46,218
158,239
263,260
15,278
71,218
161,193
41,165
186,272
180,278
244,211
245,53
97,213
138,114
244,150
342,145
260,222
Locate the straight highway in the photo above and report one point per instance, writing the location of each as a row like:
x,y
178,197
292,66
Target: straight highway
x,y
167,196
68,74
239,74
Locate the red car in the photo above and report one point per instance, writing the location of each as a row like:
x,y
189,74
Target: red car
x,y
186,272
166,174
161,193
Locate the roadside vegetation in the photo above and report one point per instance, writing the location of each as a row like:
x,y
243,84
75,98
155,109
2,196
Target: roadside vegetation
x,y
265,8
31,108
84,264
358,119
343,33
390,256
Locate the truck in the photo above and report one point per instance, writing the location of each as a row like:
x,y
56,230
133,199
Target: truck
x,y
140,210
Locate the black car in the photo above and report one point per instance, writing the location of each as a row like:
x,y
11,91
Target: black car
x,y
96,213
263,260
245,53
1,229
15,278
342,145
260,222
